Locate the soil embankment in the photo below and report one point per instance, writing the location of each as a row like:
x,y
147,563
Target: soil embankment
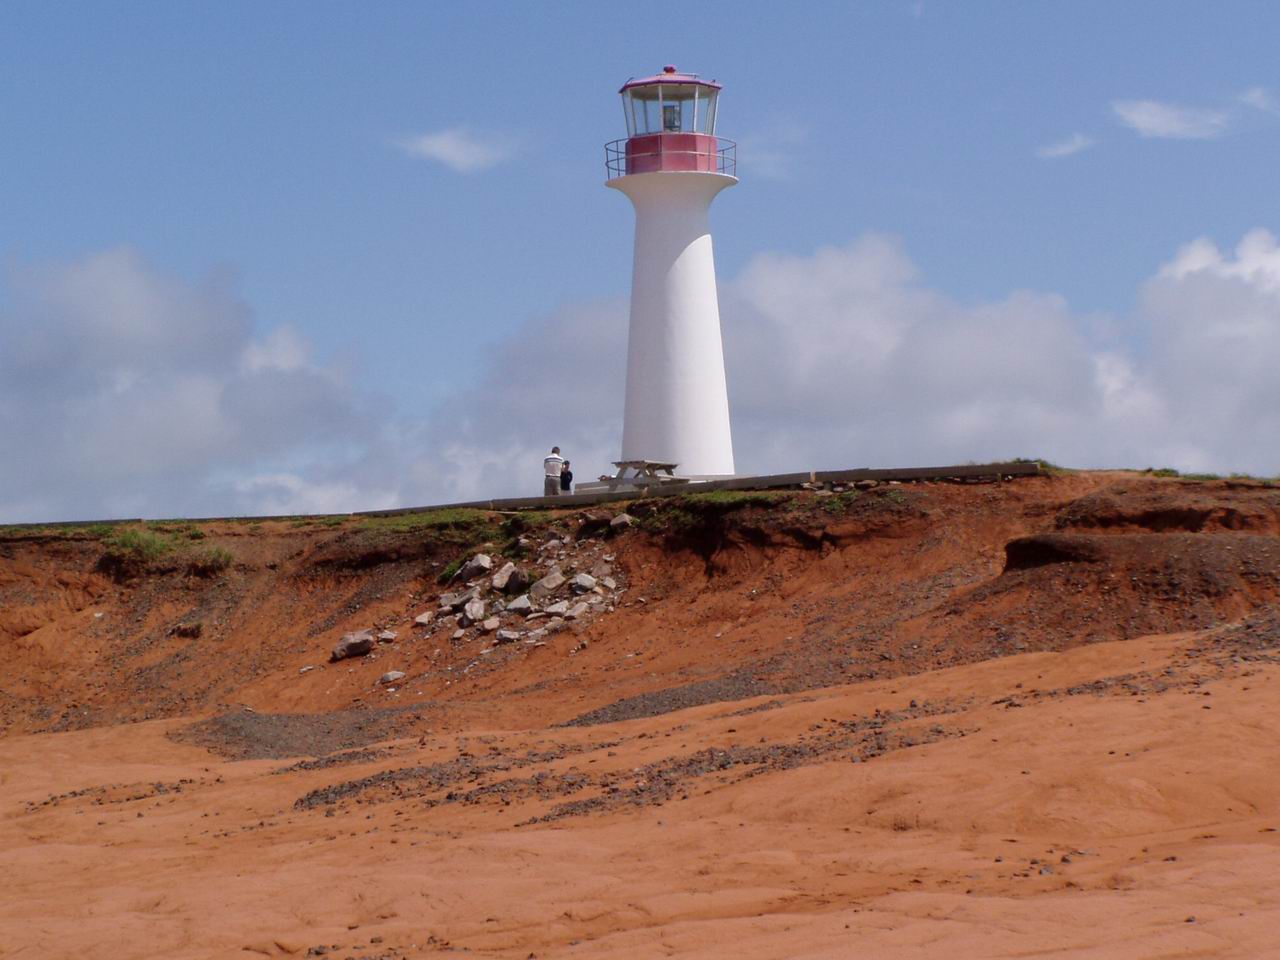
x,y
1014,719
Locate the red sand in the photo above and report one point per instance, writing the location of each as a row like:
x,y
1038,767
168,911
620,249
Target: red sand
x,y
1117,798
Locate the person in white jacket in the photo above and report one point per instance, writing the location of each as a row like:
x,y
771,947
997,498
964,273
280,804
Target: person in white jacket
x,y
551,468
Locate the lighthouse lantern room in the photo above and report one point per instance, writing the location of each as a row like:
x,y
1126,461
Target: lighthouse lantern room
x,y
671,166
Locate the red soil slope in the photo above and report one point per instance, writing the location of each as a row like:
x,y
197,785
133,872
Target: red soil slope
x,y
1035,718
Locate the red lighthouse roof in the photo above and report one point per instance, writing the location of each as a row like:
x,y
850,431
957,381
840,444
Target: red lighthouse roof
x,y
669,74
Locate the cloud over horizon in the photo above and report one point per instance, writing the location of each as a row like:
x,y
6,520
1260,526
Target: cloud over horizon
x,y
131,392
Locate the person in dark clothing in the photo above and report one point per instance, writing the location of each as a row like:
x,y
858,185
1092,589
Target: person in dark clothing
x,y
566,479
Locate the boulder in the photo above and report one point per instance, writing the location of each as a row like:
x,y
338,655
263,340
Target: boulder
x,y
502,576
583,583
456,601
621,522
520,604
558,609
352,645
473,612
507,636
576,611
519,581
548,585
391,676
424,619
477,566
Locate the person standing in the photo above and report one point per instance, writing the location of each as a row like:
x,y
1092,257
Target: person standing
x,y
551,468
566,480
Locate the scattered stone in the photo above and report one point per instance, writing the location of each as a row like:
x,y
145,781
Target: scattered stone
x,y
352,645
424,619
583,583
477,566
387,636
456,601
459,634
473,612
621,522
609,583
502,576
507,636
391,676
490,625
559,608
519,581
551,545
576,611
306,669
548,585
521,604
535,636
865,485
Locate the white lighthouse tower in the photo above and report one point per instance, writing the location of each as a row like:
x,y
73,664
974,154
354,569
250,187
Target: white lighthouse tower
x,y
672,166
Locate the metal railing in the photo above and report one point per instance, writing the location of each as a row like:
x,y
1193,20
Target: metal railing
x,y
618,163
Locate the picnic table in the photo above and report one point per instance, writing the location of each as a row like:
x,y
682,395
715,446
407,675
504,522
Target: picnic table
x,y
641,473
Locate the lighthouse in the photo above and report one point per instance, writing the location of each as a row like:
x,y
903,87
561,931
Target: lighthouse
x,y
671,166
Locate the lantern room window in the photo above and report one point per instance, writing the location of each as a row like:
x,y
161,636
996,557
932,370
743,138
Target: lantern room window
x,y
670,103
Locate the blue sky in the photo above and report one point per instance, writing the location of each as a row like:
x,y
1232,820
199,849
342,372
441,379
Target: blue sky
x,y
1069,149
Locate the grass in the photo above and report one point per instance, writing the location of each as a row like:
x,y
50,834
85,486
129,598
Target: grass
x,y
450,569
137,546
461,518
133,550
736,499
206,561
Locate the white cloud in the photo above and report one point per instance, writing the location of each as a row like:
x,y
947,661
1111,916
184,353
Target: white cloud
x,y
457,148
1259,99
1151,118
128,392
1076,143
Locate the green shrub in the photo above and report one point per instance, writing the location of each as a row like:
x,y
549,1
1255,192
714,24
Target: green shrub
x,y
137,546
207,561
450,569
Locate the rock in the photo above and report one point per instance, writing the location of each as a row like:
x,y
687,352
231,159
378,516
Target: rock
x,y
473,612
391,676
507,636
621,522
352,645
306,669
490,625
424,619
521,604
558,609
583,583
535,635
865,485
576,611
519,581
602,569
459,634
609,583
387,636
456,601
502,576
477,566
548,585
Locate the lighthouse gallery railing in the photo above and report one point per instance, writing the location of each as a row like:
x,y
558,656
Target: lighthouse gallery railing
x,y
724,159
